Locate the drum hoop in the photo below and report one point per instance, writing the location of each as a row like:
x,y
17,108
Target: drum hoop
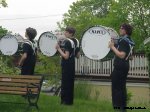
x,y
114,31
16,41
38,43
82,39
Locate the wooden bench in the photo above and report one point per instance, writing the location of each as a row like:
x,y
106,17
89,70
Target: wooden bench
x,y
25,85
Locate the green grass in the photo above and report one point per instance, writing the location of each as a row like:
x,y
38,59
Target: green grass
x,y
86,99
52,104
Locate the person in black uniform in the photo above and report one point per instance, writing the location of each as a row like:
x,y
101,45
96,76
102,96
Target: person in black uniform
x,y
28,58
68,51
121,67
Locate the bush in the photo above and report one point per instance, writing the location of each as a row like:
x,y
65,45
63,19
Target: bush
x,y
129,95
84,91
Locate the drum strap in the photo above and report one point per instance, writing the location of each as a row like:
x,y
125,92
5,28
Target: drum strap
x,y
77,42
72,46
131,45
32,45
72,43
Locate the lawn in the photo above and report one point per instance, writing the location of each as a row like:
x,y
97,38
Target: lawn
x,y
88,98
52,104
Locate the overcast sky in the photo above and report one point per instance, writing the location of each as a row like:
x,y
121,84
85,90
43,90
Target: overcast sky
x,y
40,14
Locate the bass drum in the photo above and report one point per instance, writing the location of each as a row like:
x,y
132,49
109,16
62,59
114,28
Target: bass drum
x,y
8,45
115,37
47,42
94,42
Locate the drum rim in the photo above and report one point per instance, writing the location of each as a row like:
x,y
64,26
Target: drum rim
x,y
16,41
113,30
39,42
82,39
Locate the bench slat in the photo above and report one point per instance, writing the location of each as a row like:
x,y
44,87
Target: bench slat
x,y
34,90
19,80
21,76
13,84
4,84
13,92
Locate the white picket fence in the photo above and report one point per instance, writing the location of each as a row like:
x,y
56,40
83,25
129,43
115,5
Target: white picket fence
x,y
138,67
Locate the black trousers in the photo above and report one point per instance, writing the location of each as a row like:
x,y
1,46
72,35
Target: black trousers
x,y
119,92
67,83
28,69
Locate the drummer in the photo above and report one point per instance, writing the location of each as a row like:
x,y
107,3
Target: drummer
x,y
70,50
121,67
28,58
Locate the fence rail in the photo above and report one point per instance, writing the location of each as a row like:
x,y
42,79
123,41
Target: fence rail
x,y
138,67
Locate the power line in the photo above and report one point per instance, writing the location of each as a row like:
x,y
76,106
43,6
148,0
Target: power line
x,y
32,17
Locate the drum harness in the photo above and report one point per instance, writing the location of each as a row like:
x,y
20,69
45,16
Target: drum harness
x,y
33,45
73,46
131,45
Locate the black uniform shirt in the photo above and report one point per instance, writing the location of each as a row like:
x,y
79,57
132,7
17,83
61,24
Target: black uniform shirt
x,y
122,46
31,57
66,46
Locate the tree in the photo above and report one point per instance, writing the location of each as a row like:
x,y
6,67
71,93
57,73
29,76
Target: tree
x,y
111,13
3,31
84,13
138,15
3,3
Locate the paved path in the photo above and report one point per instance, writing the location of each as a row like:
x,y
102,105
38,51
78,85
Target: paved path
x,y
128,84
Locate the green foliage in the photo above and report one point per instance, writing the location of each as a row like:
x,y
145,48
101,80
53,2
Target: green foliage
x,y
48,65
111,13
3,31
147,50
7,66
129,95
3,3
6,63
52,104
83,90
85,13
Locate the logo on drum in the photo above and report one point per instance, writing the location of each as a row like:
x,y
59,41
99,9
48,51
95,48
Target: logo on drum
x,y
51,36
98,32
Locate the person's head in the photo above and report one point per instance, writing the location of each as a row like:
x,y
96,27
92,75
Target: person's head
x,y
69,32
126,29
30,33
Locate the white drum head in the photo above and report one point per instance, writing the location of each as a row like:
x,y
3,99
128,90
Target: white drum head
x,y
8,45
95,41
114,35
47,43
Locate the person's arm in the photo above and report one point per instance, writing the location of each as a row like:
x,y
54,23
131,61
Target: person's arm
x,y
77,52
120,54
23,57
78,55
65,54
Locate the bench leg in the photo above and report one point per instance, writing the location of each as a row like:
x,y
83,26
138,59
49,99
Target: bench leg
x,y
33,103
29,106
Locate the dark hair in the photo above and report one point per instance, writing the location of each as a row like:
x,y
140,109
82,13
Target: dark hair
x,y
128,28
70,30
31,32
